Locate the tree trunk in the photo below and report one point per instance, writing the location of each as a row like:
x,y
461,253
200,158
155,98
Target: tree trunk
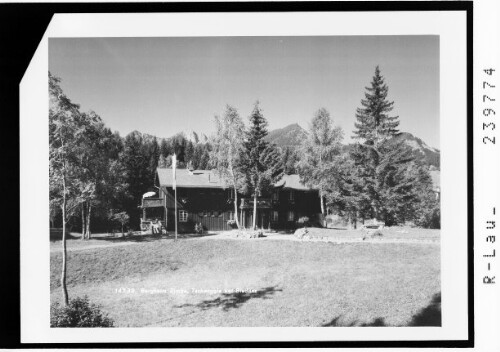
x,y
254,225
83,221
236,208
63,272
241,217
89,211
322,203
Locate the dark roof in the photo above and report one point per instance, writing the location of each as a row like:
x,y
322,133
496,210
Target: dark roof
x,y
190,179
209,179
292,182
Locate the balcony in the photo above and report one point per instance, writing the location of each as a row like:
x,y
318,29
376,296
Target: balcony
x,y
262,203
153,202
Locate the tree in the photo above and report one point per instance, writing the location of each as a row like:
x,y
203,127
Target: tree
x,y
385,166
165,147
227,148
189,152
98,148
137,176
290,158
154,155
319,152
122,218
374,125
162,161
64,126
260,162
343,189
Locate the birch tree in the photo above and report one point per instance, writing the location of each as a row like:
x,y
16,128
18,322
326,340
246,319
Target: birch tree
x,y
227,148
321,148
63,167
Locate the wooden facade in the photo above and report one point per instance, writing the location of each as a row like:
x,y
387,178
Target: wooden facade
x,y
212,204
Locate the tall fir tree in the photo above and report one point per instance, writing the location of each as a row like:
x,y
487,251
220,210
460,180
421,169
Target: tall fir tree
x,y
260,161
379,162
374,125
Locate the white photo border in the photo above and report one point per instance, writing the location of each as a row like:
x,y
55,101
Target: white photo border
x,y
450,26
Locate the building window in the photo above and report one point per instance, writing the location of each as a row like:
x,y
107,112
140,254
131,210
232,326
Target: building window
x,y
291,216
292,195
183,216
276,195
230,193
275,216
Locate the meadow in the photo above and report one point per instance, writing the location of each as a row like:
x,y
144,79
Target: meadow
x,y
259,282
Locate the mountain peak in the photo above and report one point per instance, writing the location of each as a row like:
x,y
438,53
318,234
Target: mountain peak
x,y
429,154
291,135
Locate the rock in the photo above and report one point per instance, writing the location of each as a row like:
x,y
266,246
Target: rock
x,y
371,233
300,233
247,234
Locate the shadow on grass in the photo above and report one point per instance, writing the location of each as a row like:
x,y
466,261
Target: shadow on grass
x,y
336,322
149,238
428,316
233,300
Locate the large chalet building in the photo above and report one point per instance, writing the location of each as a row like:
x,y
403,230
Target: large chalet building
x,y
203,198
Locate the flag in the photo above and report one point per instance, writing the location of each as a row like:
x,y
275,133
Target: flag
x,y
174,165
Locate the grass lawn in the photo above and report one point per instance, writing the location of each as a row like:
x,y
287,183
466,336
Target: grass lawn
x,y
260,282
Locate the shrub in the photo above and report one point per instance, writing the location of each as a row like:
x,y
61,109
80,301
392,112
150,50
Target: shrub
x,y
80,313
304,221
429,218
231,223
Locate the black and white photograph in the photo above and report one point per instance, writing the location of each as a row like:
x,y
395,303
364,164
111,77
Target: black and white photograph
x,y
240,182
204,171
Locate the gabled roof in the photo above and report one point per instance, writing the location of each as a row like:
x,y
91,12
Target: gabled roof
x,y
292,182
209,179
190,179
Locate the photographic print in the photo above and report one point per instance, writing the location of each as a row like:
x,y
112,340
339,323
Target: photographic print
x,y
258,181
264,177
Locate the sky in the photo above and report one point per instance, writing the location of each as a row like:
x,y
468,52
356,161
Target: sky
x,y
163,86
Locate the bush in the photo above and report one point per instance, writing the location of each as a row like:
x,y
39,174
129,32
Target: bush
x,y
304,221
429,218
80,313
231,224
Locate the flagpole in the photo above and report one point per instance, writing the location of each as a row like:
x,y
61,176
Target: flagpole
x,y
174,165
175,200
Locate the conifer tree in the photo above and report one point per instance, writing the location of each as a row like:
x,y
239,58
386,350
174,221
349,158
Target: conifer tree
x,y
260,161
374,125
379,165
